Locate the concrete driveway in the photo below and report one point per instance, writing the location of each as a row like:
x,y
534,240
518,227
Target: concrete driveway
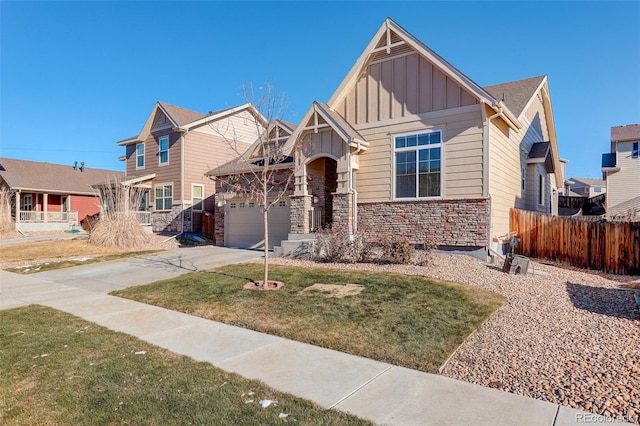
x,y
104,277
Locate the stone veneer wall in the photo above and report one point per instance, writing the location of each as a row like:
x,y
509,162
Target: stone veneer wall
x,y
343,210
218,224
167,221
463,223
300,207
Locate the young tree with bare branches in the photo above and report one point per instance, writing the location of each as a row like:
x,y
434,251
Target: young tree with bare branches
x,y
263,173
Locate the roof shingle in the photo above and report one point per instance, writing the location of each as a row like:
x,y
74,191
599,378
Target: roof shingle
x,y
516,93
57,178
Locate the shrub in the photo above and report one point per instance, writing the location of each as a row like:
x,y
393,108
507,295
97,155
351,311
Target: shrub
x,y
332,244
118,225
396,249
6,222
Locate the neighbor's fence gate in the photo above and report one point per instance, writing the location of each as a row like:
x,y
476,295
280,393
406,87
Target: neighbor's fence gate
x,y
605,246
208,229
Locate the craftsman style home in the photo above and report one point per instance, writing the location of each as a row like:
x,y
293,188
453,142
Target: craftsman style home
x,y
621,169
51,196
172,152
409,145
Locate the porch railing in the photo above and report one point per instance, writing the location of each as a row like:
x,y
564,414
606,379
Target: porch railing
x,y
144,217
315,219
53,217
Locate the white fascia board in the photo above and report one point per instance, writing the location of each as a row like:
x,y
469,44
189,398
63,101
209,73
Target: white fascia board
x,y
223,114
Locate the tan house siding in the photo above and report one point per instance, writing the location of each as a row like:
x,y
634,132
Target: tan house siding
x,y
623,185
508,153
397,86
462,154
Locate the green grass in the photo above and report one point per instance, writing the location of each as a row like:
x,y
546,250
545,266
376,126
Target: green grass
x,y
59,369
400,319
67,263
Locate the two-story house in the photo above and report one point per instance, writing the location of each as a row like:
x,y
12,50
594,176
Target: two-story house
x,y
587,187
621,170
172,152
409,145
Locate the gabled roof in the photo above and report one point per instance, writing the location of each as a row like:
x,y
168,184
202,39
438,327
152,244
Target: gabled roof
x,y
178,115
249,160
629,132
348,134
385,30
184,119
53,178
517,95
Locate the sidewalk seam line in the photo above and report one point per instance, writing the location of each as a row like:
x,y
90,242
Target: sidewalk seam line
x,y
360,387
555,418
280,340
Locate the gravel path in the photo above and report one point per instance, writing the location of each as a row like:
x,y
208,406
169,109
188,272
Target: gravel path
x,y
570,337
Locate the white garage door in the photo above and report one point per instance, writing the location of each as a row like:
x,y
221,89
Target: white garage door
x,y
243,224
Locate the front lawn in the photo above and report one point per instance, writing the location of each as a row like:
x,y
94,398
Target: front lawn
x,y
58,369
404,320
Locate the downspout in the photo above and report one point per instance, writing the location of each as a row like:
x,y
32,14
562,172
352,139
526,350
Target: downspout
x,y
182,134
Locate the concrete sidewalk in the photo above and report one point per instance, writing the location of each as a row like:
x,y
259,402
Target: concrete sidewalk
x,y
381,392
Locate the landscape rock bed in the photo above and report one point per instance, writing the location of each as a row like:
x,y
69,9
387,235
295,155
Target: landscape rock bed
x,y
570,337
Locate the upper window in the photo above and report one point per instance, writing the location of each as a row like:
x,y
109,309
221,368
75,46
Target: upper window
x,y
163,153
140,156
197,196
418,165
634,152
523,179
597,189
164,196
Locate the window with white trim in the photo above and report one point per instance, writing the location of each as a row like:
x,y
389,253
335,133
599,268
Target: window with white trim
x,y
418,165
27,202
635,153
197,197
523,179
140,156
163,150
164,196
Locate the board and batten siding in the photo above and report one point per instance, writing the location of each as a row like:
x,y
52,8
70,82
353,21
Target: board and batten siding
x,y
398,85
624,184
462,153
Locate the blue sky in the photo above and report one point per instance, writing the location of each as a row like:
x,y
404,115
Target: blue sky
x,y
76,77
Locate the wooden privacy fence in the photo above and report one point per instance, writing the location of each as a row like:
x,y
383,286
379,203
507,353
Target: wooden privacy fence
x,y
605,246
207,225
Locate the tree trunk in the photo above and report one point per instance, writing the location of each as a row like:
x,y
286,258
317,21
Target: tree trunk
x,y
266,248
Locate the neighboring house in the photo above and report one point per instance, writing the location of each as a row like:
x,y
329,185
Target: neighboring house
x,y
588,187
410,146
621,170
51,196
172,152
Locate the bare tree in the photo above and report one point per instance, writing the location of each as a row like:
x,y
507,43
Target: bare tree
x,y
263,173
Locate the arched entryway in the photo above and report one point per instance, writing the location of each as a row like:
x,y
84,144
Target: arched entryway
x,y
322,183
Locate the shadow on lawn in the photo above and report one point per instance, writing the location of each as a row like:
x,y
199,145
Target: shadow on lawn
x,y
603,301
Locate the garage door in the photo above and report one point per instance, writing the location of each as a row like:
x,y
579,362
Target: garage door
x,y
243,224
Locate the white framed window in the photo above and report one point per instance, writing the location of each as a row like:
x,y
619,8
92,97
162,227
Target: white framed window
x,y
164,196
163,150
144,200
140,156
27,202
540,189
523,179
197,197
418,165
635,152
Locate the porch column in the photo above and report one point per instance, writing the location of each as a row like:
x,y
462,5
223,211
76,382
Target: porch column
x,y
343,210
45,206
17,206
300,208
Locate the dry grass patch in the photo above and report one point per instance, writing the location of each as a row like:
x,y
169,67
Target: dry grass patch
x,y
333,290
58,369
404,320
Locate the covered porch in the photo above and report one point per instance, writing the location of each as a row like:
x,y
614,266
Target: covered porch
x,y
43,211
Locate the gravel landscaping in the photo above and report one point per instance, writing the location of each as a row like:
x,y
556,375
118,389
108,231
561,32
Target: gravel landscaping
x,y
568,337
